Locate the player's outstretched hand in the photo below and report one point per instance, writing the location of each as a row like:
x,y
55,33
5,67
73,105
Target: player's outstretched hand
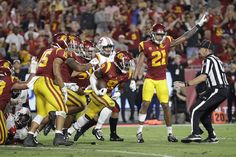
x,y
203,19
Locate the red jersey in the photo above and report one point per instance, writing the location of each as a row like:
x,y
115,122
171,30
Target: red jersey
x,y
112,75
45,66
157,57
82,78
6,83
66,71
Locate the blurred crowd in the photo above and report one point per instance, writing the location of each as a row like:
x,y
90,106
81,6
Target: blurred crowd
x,y
27,27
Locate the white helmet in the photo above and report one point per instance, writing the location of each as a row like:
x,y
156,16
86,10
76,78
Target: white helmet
x,y
105,46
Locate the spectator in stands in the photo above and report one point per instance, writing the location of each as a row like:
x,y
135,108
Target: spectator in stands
x,y
15,38
2,47
101,19
18,72
32,33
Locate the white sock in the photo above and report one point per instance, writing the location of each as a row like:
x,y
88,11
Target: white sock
x,y
36,133
58,132
140,129
104,114
142,117
169,130
30,132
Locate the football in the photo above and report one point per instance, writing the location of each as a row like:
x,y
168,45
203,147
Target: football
x,y
101,84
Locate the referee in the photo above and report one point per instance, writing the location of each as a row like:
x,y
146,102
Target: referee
x,y
213,73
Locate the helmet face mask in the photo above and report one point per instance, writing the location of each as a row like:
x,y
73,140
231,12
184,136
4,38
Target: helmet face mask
x,y
22,120
123,61
105,46
158,33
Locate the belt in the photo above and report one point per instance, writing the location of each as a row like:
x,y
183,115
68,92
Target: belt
x,y
221,86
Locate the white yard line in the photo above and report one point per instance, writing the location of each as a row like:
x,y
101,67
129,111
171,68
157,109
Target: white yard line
x,y
79,149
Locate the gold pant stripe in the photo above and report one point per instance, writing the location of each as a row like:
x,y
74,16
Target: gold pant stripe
x,y
3,129
100,99
74,99
58,94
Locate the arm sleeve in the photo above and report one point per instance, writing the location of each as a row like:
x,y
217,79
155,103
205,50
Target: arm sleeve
x,y
61,53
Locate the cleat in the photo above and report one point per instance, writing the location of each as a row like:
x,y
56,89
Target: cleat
x,y
78,134
115,137
29,141
140,137
191,138
60,139
98,134
211,140
172,138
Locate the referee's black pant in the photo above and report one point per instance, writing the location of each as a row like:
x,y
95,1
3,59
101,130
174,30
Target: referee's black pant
x,y
204,107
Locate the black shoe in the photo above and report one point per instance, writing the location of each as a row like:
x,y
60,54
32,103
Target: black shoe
x,y
191,138
172,138
115,137
60,139
78,134
211,140
98,134
29,141
140,137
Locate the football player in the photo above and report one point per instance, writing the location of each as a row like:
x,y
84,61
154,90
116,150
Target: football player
x,y
50,89
156,52
113,73
8,83
17,125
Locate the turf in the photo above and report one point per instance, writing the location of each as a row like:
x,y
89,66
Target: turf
x,y
155,145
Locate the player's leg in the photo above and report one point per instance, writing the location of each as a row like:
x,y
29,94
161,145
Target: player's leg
x,y
107,103
147,94
163,96
113,124
3,129
53,95
41,113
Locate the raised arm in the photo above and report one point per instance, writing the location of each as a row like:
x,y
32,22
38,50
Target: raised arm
x,y
191,32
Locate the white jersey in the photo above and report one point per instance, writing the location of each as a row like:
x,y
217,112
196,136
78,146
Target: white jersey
x,y
102,59
10,123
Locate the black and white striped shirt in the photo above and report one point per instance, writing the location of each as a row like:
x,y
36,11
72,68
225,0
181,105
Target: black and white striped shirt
x,y
213,68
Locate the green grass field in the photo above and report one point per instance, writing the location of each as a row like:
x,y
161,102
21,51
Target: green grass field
x,y
155,145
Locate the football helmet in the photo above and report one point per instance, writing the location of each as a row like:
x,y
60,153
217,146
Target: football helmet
x,y
22,118
158,33
60,41
105,46
74,43
124,61
88,49
5,67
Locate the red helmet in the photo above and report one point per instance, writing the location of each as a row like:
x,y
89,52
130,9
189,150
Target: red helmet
x,y
74,43
5,67
158,33
123,60
60,40
88,49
